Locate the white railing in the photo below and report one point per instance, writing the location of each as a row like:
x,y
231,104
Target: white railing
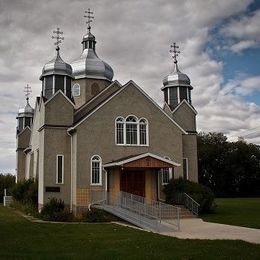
x,y
151,213
7,199
188,202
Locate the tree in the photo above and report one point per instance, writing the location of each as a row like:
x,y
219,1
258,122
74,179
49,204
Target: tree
x,y
228,168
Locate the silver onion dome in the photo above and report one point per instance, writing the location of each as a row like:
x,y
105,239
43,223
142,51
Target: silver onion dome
x,y
56,67
26,110
89,65
176,78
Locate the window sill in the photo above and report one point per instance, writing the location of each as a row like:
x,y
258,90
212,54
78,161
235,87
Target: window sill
x,y
95,184
136,145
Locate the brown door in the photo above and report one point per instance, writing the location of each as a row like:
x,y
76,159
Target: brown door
x,y
133,182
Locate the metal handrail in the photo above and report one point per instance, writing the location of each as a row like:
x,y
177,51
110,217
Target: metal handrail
x,y
150,212
191,204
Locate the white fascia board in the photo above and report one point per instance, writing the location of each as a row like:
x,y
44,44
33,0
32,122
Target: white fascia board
x,y
57,93
180,104
138,157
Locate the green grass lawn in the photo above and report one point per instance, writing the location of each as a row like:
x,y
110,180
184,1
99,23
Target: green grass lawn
x,y
21,239
238,211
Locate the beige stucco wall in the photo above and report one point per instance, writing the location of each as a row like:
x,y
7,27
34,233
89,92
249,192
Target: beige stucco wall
x,y
58,111
22,142
185,117
97,134
85,89
57,141
190,152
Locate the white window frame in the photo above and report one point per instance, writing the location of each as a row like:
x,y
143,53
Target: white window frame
x,y
62,169
169,172
123,123
73,91
187,167
138,131
100,170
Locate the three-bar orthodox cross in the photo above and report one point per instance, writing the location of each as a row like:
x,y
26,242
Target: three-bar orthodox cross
x,y
27,91
89,16
58,38
175,52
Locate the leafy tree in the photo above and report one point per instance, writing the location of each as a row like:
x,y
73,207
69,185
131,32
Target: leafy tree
x,y
230,169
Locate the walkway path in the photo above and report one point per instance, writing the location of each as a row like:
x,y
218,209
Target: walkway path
x,y
198,229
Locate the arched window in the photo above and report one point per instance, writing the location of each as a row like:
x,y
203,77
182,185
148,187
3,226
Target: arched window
x,y
76,90
143,134
96,170
120,130
131,130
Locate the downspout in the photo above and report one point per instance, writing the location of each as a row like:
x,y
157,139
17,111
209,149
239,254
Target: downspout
x,y
71,186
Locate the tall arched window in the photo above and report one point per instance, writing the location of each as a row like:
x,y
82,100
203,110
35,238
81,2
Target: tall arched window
x,y
96,170
143,131
76,90
131,130
120,130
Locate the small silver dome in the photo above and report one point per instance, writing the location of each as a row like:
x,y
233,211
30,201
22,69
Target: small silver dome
x,y
26,111
176,78
56,66
88,36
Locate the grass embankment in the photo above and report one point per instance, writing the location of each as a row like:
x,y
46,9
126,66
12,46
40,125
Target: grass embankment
x,y
236,211
21,239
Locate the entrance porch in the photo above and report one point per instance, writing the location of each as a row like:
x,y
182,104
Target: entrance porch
x,y
137,175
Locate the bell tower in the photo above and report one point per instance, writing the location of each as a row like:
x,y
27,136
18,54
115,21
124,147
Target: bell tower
x,y
25,115
56,74
176,86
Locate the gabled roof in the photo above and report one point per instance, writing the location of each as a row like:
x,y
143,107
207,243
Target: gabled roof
x,y
123,161
25,129
86,108
56,94
188,104
117,93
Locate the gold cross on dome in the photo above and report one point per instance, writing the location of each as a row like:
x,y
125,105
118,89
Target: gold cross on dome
x,y
175,52
27,91
90,17
58,38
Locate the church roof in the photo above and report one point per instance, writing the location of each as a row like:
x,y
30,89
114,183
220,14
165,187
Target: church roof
x,y
101,104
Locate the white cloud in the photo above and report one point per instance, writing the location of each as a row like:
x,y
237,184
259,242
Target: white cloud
x,y
244,32
134,38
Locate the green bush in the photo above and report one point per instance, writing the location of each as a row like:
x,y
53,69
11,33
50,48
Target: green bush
x,y
26,192
97,215
55,210
200,193
6,182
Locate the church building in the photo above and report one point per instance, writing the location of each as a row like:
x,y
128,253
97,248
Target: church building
x,y
89,135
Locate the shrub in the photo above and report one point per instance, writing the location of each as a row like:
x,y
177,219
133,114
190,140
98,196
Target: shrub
x,y
26,192
55,210
200,193
98,215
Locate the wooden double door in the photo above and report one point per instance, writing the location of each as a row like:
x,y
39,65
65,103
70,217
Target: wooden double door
x,y
133,181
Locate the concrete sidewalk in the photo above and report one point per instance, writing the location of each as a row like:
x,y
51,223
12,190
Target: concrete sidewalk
x,y
198,229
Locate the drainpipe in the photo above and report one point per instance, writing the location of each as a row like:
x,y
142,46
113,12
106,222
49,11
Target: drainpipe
x,y
71,187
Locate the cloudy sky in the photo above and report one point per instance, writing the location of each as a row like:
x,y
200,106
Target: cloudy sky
x,y
219,43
